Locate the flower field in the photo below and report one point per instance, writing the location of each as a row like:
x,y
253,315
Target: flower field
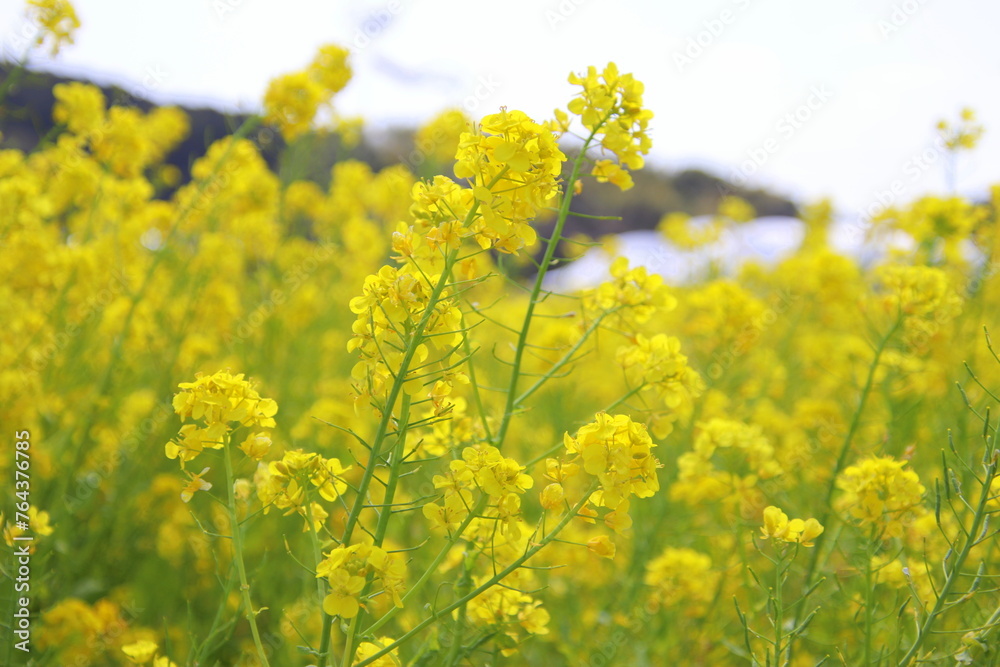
x,y
253,420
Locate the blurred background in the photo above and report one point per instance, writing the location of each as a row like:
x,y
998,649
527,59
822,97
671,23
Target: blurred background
x,y
803,100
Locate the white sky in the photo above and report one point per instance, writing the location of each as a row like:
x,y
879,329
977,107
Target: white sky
x,y
886,87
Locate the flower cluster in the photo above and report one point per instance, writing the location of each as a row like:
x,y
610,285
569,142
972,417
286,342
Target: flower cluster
x,y
438,139
57,20
221,401
685,233
38,526
145,651
618,453
610,105
880,492
482,467
657,366
392,302
347,570
683,578
513,165
293,100
509,612
635,295
963,137
285,484
79,106
777,526
922,296
728,459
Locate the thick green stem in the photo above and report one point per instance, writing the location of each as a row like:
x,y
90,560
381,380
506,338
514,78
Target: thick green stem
x,y
237,537
397,387
395,465
416,336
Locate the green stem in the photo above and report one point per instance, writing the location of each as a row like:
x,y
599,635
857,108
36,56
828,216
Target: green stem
x,y
473,383
845,449
971,539
348,656
779,606
382,527
869,598
550,249
237,537
324,641
416,336
495,579
565,359
432,568
458,623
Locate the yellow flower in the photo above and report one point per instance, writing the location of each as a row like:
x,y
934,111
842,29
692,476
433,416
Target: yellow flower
x,y
368,649
611,105
330,68
223,398
291,102
513,165
602,546
343,597
678,229
682,578
553,496
346,569
438,139
778,526
880,492
256,445
607,171
38,526
140,652
736,209
79,106
57,20
195,484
